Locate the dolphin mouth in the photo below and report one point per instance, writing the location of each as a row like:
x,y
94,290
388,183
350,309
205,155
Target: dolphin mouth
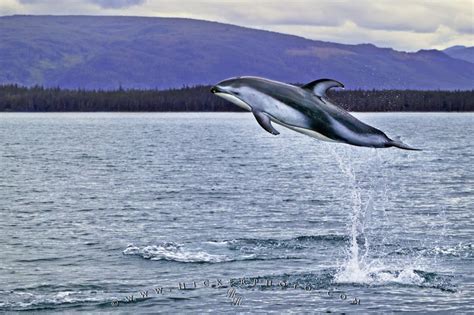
x,y
216,89
231,97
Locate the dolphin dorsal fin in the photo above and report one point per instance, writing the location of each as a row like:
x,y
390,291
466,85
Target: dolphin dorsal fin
x,y
319,87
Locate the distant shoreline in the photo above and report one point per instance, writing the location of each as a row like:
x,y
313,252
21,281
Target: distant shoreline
x,y
14,98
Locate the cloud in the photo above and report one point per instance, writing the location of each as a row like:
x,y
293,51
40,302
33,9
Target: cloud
x,y
9,7
350,33
402,24
105,4
117,3
416,16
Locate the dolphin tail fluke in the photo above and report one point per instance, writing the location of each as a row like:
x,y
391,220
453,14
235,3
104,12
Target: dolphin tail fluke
x,y
399,144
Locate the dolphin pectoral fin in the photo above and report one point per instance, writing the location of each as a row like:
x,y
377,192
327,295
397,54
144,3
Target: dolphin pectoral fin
x,y
265,122
319,87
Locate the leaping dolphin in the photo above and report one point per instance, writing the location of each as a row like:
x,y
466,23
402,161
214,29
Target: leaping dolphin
x,y
304,109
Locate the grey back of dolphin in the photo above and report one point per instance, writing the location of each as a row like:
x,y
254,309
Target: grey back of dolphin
x,y
304,109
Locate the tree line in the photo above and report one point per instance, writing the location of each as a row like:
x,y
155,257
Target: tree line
x,y
198,98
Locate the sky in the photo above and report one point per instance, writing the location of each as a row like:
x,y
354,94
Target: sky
x,y
407,25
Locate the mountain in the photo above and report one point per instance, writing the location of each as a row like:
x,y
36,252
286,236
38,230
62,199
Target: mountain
x,y
461,52
95,52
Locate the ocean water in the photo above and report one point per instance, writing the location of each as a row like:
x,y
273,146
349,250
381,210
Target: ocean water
x,y
114,212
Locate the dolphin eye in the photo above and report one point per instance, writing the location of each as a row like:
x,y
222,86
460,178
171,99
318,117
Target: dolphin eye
x,y
236,93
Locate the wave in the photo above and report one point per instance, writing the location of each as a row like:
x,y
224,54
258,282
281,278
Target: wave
x,y
378,273
403,277
36,301
173,252
331,278
460,250
299,242
234,250
178,253
36,260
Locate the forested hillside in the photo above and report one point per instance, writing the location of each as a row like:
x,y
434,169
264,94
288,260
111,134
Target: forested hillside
x,y
199,98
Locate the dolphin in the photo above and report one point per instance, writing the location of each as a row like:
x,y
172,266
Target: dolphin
x,y
304,109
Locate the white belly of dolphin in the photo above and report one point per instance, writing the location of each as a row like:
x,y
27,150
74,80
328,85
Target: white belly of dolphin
x,y
235,100
307,132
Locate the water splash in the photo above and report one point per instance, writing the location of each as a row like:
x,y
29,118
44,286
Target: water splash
x,y
355,268
365,190
365,174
